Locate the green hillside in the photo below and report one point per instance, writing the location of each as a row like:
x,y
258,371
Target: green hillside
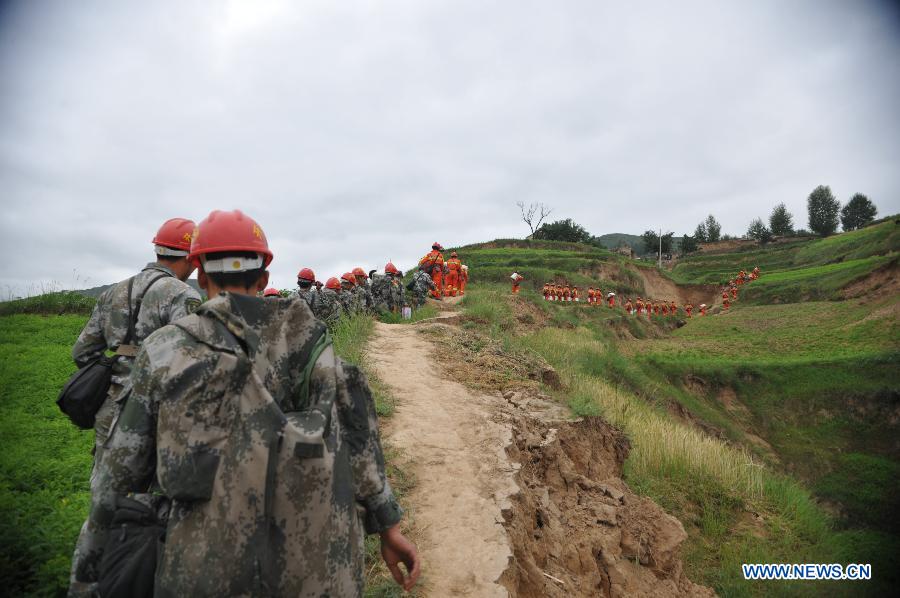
x,y
802,375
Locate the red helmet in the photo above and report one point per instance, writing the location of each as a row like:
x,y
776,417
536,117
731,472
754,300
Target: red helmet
x,y
229,231
348,277
333,283
359,272
175,233
391,269
437,246
307,274
271,292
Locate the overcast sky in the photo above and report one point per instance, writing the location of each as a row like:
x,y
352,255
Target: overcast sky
x,y
357,132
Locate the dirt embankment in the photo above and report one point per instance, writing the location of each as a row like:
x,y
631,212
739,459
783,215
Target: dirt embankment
x,y
511,498
656,286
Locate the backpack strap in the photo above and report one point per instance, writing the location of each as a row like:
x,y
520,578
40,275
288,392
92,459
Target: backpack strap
x,y
126,348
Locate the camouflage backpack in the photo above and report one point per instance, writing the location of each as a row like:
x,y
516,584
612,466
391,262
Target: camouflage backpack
x,y
264,501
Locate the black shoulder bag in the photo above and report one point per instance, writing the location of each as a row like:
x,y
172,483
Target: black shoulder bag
x,y
84,393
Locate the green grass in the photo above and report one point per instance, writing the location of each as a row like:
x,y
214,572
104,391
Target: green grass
x,y
418,314
57,303
712,486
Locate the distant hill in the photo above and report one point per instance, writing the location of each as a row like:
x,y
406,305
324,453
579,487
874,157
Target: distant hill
x,y
613,240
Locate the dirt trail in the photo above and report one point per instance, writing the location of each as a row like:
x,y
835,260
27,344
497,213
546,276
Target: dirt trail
x,y
463,476
510,498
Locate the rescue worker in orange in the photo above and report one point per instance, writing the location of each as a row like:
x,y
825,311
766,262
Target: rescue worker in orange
x,y
433,263
702,309
516,281
628,306
611,300
451,285
673,309
688,308
755,273
734,292
664,309
590,295
463,279
598,297
725,302
575,297
639,304
567,293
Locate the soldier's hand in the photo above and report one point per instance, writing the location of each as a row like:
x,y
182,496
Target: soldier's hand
x,y
396,548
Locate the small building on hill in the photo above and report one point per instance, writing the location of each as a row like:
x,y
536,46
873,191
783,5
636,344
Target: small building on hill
x,y
626,250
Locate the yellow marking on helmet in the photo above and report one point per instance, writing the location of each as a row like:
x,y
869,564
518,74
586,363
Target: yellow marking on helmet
x,y
186,237
236,264
257,231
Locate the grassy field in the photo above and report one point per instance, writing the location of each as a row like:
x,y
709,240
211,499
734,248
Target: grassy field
x,y
45,461
735,508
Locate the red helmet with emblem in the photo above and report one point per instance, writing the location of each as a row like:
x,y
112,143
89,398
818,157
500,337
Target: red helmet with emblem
x,y
307,274
333,283
359,272
348,277
271,292
390,268
174,234
437,246
223,232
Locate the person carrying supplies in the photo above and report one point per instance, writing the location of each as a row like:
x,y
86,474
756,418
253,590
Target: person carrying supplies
x,y
516,281
433,264
263,443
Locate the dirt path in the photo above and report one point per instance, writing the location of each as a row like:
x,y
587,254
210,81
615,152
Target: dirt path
x,y
463,475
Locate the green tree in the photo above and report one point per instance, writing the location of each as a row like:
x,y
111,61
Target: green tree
x,y
781,222
858,212
563,230
700,233
823,211
713,229
688,244
759,231
651,242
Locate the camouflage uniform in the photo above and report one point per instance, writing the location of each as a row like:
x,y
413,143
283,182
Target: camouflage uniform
x,y
363,297
422,284
329,306
351,301
268,446
310,295
381,293
398,293
167,300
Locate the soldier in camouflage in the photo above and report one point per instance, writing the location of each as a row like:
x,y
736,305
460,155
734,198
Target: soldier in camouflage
x,y
387,290
422,286
329,306
306,278
362,290
158,297
352,302
265,442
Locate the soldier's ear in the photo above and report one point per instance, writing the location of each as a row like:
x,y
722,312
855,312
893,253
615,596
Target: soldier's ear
x,y
263,281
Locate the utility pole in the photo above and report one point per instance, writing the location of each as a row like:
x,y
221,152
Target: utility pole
x,y
659,255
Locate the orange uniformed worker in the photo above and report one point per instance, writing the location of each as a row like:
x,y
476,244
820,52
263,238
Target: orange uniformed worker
x,y
433,264
734,292
567,293
590,295
611,300
546,291
575,297
664,309
463,278
673,308
639,306
702,309
628,306
451,285
725,302
516,281
688,308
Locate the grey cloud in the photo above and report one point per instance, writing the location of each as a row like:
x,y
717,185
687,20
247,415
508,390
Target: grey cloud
x,y
361,132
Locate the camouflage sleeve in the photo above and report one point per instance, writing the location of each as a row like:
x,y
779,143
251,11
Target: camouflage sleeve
x,y
356,409
91,343
184,304
126,465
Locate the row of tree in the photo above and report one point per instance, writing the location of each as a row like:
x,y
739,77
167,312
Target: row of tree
x,y
823,211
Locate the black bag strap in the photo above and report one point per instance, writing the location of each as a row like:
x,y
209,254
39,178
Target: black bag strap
x,y
132,319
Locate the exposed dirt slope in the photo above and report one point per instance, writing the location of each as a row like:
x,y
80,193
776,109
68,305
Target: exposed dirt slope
x,y
660,287
512,499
